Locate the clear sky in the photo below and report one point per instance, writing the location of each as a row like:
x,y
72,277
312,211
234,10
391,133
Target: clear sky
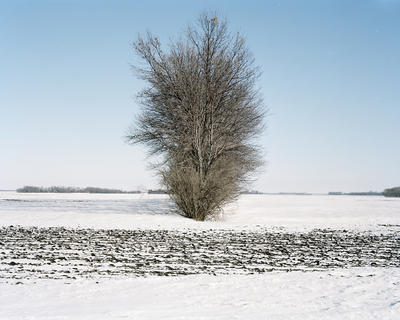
x,y
331,79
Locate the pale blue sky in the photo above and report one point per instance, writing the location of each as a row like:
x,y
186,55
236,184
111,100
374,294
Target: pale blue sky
x,y
331,79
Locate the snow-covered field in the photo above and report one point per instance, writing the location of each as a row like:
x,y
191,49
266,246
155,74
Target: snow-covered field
x,y
128,211
340,294
90,256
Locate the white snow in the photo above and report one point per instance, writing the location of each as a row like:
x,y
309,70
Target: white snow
x,y
297,212
368,293
356,293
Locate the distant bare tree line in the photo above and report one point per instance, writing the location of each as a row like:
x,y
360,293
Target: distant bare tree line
x,y
392,192
60,189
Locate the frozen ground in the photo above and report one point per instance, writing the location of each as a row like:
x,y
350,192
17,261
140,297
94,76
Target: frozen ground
x,y
59,253
84,256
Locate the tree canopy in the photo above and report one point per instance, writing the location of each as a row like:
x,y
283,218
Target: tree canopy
x,y
202,112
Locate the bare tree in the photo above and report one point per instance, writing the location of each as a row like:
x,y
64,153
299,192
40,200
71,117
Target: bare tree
x,y
202,112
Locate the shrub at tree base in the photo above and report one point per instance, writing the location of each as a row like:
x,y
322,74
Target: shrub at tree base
x,y
202,113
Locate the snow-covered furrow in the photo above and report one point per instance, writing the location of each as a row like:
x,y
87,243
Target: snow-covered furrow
x,y
60,253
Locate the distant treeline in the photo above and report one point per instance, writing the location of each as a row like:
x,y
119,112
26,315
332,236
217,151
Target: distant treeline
x,y
157,191
56,189
370,193
392,192
251,192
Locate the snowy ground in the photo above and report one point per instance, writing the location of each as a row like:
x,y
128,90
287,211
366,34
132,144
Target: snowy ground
x,y
129,211
366,293
85,256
